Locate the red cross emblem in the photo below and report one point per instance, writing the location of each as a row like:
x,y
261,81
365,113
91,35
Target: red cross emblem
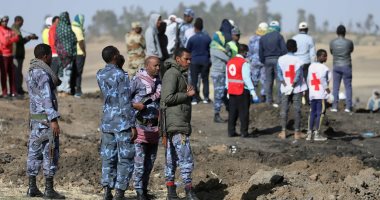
x,y
315,82
291,73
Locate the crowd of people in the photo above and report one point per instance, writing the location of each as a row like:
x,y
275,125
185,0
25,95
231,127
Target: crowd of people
x,y
152,96
65,37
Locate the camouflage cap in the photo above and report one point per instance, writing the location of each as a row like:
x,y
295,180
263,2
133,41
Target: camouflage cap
x,y
235,31
136,25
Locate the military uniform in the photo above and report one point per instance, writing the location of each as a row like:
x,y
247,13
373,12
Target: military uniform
x,y
117,149
135,52
43,109
145,89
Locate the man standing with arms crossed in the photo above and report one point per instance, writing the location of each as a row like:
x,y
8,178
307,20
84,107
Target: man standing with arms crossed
x,y
176,100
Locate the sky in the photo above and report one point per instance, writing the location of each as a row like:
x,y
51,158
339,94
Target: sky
x,y
335,11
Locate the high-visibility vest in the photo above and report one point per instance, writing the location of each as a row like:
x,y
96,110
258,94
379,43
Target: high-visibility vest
x,y
235,76
233,48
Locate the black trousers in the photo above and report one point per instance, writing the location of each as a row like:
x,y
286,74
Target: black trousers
x,y
305,71
18,74
204,70
239,107
76,74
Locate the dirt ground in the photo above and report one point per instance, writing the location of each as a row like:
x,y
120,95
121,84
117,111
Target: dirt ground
x,y
259,167
344,167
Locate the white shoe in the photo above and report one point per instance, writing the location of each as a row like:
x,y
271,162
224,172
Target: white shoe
x,y
318,137
347,110
309,135
275,105
194,103
334,110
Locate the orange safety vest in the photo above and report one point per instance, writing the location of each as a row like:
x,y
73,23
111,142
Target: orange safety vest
x,y
235,76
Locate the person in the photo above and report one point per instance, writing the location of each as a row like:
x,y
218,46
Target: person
x,y
271,47
80,58
257,68
176,97
171,32
66,45
240,87
118,126
219,59
317,80
19,52
151,36
52,34
7,38
226,28
232,46
199,46
188,17
373,104
145,94
45,31
341,49
289,73
305,50
163,40
43,148
135,42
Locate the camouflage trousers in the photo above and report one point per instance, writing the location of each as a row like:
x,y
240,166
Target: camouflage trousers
x,y
117,152
38,153
178,152
146,154
220,96
134,67
258,77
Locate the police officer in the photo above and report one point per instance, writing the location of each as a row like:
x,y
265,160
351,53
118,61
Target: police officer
x,y
118,126
240,87
43,145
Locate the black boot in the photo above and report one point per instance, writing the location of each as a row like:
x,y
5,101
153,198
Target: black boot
x,y
50,193
172,193
190,194
33,190
141,195
119,195
107,193
218,119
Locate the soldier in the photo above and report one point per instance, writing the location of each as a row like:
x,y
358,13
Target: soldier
x,y
146,91
135,49
43,146
176,100
118,126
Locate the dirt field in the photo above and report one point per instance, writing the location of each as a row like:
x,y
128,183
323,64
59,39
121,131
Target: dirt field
x,y
262,166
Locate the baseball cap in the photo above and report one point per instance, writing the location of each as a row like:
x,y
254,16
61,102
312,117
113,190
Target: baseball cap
x,y
189,12
136,25
274,23
49,21
235,31
302,25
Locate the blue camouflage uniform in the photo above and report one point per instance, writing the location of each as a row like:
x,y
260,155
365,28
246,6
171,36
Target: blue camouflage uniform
x,y
145,89
257,68
117,150
43,102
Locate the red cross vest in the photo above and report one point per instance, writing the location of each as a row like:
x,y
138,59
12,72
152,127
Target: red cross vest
x,y
316,72
235,75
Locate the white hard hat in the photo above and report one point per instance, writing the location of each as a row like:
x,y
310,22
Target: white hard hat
x,y
263,26
49,21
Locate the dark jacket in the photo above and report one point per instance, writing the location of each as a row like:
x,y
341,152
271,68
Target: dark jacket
x,y
175,99
341,49
272,45
226,28
199,46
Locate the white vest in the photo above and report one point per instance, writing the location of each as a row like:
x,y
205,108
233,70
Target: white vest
x,y
316,72
289,65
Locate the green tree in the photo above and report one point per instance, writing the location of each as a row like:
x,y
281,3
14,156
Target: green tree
x,y
311,23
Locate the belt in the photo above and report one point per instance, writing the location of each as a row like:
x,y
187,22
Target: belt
x,y
39,116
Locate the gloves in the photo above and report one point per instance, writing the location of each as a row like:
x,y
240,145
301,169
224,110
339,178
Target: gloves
x,y
288,90
255,98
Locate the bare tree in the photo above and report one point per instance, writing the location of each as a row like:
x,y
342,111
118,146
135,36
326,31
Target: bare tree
x,y
311,22
301,16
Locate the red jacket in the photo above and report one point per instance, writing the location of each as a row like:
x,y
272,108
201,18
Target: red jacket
x,y
7,38
235,76
52,33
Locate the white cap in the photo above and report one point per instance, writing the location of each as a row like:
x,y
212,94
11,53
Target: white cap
x,y
274,23
302,25
263,26
231,22
49,21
